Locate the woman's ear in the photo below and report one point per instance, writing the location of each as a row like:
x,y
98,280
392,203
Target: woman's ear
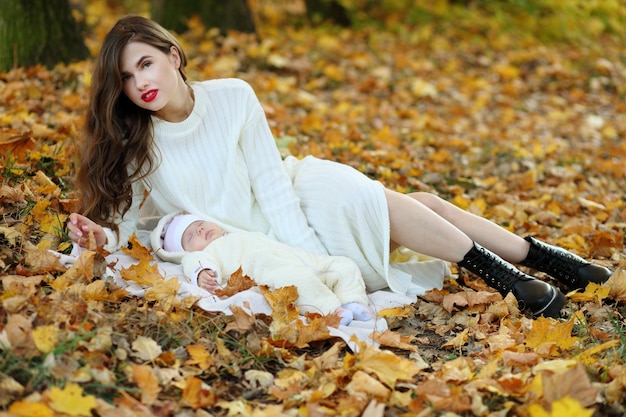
x,y
175,56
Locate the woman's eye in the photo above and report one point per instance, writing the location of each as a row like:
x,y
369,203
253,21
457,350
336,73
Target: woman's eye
x,y
125,77
146,64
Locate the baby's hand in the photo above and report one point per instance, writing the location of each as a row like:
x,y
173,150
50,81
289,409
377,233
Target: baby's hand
x,y
207,280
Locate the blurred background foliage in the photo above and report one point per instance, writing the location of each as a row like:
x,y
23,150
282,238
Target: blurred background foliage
x,y
546,20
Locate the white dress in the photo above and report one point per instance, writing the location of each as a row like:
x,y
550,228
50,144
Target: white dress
x,y
222,163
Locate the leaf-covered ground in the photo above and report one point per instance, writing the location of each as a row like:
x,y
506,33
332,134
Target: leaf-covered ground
x,y
527,134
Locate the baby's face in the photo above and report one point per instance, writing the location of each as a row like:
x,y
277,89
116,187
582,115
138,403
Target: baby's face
x,y
199,234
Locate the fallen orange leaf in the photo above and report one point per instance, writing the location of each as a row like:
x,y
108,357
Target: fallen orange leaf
x,y
199,356
147,381
198,396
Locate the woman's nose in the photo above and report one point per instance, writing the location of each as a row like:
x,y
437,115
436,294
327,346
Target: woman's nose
x,y
142,84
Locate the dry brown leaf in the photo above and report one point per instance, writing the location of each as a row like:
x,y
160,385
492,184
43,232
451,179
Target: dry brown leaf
x,y
237,282
394,339
363,383
243,321
617,285
145,273
283,303
137,250
387,366
42,261
574,383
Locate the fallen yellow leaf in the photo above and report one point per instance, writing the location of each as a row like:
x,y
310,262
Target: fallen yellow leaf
x,y
28,409
45,337
70,400
546,330
566,406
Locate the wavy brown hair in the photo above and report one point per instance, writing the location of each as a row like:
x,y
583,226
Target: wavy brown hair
x,y
118,144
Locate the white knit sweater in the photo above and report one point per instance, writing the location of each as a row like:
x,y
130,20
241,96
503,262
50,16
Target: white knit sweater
x,y
222,161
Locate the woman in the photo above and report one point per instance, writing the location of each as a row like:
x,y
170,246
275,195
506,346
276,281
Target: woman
x,y
206,148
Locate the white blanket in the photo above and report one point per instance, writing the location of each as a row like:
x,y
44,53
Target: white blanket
x,y
250,300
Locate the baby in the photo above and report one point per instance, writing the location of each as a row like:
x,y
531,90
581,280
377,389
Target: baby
x,y
210,255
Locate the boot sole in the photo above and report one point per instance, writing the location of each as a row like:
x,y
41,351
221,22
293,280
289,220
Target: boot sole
x,y
553,308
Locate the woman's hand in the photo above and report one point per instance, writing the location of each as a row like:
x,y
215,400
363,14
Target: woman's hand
x,y
78,228
207,280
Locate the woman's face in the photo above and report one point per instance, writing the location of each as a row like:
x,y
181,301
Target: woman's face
x,y
150,78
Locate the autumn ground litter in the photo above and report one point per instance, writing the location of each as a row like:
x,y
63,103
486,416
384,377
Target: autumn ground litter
x,y
525,133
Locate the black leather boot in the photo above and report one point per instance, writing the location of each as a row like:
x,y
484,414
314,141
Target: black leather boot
x,y
537,296
568,268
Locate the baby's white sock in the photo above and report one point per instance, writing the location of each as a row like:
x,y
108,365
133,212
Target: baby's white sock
x,y
345,315
360,312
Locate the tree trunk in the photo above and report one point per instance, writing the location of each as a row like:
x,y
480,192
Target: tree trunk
x,y
327,11
38,32
223,14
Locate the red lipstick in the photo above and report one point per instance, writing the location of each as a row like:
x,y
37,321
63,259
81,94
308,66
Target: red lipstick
x,y
148,96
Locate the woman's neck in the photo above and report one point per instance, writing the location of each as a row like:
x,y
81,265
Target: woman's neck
x,y
180,107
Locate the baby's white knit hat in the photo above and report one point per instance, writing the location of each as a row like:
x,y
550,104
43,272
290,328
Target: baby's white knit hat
x,y
173,231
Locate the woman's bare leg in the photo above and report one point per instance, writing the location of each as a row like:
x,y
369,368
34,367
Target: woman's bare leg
x,y
419,228
486,233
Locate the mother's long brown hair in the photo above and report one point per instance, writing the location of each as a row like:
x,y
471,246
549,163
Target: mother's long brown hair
x,y
117,148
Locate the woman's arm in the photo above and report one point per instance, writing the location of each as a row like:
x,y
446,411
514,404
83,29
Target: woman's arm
x,y
271,185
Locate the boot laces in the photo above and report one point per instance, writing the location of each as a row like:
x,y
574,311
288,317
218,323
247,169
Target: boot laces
x,y
495,272
561,263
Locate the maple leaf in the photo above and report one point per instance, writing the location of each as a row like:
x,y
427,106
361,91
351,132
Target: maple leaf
x,y
99,290
199,356
593,292
566,406
394,339
11,234
237,282
144,273
387,366
617,284
402,311
283,303
42,261
573,382
70,400
12,195
242,320
165,292
136,249
17,331
546,330
147,382
457,341
88,266
197,394
315,329
361,382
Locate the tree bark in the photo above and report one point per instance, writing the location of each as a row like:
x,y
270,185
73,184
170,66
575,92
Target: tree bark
x,y
327,11
222,14
38,32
